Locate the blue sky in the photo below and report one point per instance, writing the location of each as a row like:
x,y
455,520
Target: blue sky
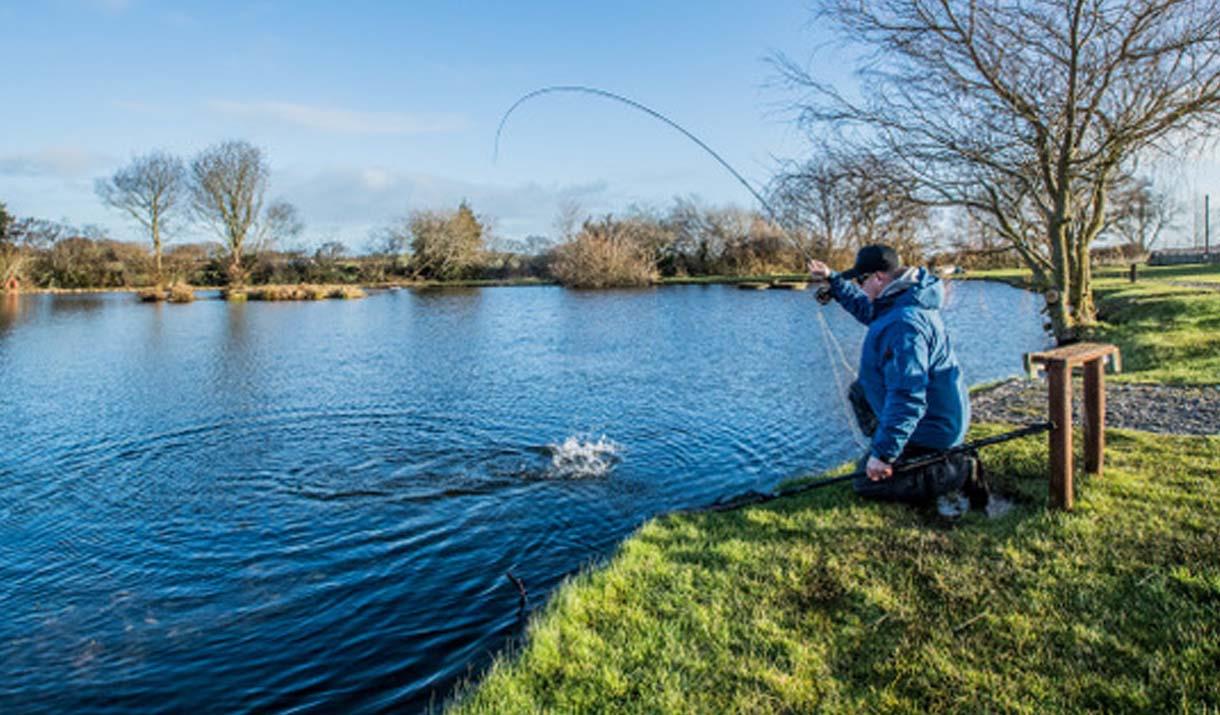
x,y
367,110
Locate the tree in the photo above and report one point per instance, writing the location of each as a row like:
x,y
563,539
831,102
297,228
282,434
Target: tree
x,y
1026,112
6,220
446,246
845,200
1141,213
281,223
228,183
10,253
149,190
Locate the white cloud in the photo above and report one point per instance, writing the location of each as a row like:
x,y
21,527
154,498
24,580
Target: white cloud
x,y
335,119
350,201
59,162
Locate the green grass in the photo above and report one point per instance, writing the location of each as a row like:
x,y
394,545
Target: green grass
x,y
824,603
1168,332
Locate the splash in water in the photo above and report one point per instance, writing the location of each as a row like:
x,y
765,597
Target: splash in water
x,y
582,457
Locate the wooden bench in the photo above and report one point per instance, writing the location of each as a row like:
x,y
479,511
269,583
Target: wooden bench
x,y
1058,364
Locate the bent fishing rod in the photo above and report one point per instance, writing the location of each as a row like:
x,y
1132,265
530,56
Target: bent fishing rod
x,y
822,295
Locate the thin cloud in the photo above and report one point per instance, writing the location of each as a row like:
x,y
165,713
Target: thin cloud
x,y
344,199
339,120
55,162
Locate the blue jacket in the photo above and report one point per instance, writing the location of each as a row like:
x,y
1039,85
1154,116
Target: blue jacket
x,y
910,375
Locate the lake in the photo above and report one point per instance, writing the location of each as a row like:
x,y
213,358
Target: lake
x,y
312,506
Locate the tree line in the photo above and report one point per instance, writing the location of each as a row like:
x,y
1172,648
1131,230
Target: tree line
x,y
827,206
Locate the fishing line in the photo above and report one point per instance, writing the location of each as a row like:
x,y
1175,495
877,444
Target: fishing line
x,y
772,214
831,342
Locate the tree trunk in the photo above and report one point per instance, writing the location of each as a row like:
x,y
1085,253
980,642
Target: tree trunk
x,y
236,276
1059,294
1083,310
156,237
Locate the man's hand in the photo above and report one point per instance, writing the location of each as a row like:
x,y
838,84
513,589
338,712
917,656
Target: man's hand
x,y
819,272
878,470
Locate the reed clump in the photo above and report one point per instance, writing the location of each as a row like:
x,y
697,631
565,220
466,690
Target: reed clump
x,y
347,292
303,291
174,293
181,293
604,255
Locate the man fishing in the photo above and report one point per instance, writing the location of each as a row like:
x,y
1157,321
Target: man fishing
x,y
910,396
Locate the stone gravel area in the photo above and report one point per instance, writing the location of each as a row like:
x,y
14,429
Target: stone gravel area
x,y
1152,408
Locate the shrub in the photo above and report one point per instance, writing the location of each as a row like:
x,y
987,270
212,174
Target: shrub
x,y
181,293
151,295
347,292
603,255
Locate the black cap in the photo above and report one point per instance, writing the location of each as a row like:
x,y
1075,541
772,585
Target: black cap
x,y
873,259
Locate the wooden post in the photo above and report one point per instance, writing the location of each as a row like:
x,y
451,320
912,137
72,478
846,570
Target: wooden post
x,y
1059,391
1095,415
1058,364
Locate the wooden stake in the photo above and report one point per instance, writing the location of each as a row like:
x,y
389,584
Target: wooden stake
x,y
1059,389
1095,416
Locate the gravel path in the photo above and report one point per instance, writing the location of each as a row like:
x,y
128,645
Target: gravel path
x,y
1152,408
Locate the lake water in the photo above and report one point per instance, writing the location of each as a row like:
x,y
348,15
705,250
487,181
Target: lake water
x,y
313,506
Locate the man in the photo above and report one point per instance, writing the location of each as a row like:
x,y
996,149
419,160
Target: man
x,y
910,387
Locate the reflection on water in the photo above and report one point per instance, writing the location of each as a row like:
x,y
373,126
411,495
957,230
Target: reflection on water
x,y
11,310
235,507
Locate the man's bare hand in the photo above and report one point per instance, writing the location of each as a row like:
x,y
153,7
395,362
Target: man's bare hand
x,y
819,272
878,470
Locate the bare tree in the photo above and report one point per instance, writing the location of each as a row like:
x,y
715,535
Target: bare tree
x,y
149,190
1142,213
228,183
846,200
568,219
281,223
1026,112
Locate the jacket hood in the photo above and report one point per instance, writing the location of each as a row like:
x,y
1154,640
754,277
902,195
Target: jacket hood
x,y
918,287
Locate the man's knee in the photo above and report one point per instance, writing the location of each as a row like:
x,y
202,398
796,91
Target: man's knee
x,y
919,486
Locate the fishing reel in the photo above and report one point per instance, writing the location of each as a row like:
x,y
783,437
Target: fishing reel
x,y
824,295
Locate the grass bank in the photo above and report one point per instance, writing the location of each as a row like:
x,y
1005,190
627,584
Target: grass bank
x,y
1167,323
825,603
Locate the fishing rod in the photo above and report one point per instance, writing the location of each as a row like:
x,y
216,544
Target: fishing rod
x,y
822,294
772,214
